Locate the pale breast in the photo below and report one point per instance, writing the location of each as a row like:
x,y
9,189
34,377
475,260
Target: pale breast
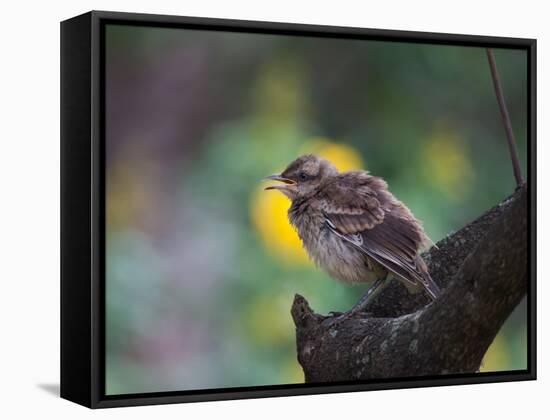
x,y
338,258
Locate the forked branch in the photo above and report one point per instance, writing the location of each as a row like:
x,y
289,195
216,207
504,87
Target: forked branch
x,y
483,270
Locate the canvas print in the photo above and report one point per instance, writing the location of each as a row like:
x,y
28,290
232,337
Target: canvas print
x,y
284,209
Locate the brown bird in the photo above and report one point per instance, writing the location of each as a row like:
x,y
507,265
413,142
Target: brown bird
x,y
354,228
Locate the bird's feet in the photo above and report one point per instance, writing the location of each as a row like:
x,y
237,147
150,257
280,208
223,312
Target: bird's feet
x,y
359,307
336,318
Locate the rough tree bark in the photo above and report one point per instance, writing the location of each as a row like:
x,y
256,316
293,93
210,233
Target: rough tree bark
x,y
483,271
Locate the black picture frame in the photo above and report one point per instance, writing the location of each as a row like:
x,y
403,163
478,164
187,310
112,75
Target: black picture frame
x,y
83,207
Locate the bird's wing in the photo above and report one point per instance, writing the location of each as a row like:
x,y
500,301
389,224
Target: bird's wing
x,y
379,225
353,202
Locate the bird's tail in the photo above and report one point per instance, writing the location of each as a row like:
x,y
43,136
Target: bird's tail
x,y
431,287
429,284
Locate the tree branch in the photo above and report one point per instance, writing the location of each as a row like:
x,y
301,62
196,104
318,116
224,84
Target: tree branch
x,y
483,270
505,118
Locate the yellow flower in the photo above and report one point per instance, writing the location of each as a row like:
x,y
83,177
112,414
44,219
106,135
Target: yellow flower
x,y
291,372
269,208
497,356
126,196
447,164
278,91
269,216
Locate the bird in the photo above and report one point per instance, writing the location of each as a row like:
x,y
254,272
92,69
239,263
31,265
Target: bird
x,y
354,228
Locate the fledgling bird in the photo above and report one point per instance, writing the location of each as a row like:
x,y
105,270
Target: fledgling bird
x,y
354,228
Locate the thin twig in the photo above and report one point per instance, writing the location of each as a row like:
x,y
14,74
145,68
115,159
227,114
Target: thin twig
x,y
505,118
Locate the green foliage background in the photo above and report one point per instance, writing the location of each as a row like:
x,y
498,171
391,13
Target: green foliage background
x,y
195,119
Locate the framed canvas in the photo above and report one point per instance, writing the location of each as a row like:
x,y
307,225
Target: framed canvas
x,y
255,209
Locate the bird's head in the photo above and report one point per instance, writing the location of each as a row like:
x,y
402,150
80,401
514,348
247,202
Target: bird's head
x,y
302,176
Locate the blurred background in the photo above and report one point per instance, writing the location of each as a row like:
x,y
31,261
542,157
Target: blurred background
x,y
202,265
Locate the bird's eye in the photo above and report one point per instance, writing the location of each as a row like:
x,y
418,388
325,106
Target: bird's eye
x,y
303,176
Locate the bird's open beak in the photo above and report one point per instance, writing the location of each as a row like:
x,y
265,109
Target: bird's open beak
x,y
286,183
